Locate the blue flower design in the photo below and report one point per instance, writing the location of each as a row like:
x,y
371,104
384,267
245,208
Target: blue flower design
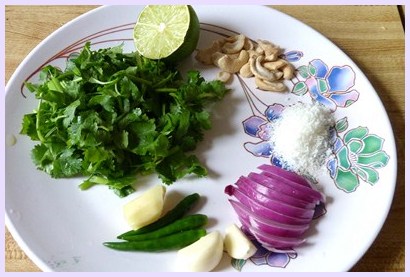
x,y
260,128
330,87
292,56
356,155
266,257
273,259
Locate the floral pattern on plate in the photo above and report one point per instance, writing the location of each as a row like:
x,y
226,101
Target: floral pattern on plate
x,y
356,156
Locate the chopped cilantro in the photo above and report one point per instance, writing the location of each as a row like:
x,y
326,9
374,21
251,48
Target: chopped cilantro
x,y
110,116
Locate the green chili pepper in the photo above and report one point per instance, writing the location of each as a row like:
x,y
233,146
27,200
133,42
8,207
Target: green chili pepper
x,y
176,213
186,223
172,242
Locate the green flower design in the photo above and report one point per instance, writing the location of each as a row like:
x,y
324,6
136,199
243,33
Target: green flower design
x,y
357,156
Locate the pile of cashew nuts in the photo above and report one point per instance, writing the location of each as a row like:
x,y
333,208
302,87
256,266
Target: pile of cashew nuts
x,y
240,55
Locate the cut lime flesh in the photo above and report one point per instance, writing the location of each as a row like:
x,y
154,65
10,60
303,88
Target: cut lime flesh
x,y
162,30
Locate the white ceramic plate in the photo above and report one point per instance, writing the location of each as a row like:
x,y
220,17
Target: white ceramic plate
x,y
62,228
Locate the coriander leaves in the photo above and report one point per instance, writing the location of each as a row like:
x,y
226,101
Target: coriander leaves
x,y
112,115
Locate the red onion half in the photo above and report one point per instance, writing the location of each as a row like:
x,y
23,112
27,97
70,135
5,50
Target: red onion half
x,y
275,206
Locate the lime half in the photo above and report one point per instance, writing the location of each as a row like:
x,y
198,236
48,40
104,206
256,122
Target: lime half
x,y
166,32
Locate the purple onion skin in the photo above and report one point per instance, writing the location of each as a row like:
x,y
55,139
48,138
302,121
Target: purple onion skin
x,y
252,197
262,210
276,242
285,188
292,176
272,240
277,205
250,219
278,231
274,194
307,190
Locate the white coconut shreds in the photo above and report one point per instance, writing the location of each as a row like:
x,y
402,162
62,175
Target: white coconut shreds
x,y
300,137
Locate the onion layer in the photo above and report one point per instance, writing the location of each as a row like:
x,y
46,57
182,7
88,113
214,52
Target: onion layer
x,y
292,176
274,194
277,212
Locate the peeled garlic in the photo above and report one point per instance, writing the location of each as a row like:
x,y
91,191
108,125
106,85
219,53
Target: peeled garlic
x,y
201,256
146,208
237,244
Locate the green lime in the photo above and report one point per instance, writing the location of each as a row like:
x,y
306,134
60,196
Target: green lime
x,y
168,32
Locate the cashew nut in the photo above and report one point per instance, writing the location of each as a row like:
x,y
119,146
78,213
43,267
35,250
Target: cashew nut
x,y
248,44
269,85
253,53
288,72
205,55
218,55
235,46
230,65
260,59
268,48
275,65
259,50
245,71
259,71
215,57
278,74
224,76
271,57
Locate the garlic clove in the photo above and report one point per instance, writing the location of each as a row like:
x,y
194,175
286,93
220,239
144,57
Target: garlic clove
x,y
201,256
146,208
237,244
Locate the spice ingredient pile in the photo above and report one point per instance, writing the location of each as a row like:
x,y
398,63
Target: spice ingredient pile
x,y
301,137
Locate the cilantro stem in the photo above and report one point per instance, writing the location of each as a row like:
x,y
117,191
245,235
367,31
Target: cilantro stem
x,y
96,81
104,128
40,136
51,131
164,81
170,90
98,180
65,75
139,80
